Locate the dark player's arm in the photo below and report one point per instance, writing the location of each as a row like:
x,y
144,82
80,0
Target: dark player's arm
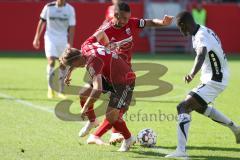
x,y
95,93
71,35
199,59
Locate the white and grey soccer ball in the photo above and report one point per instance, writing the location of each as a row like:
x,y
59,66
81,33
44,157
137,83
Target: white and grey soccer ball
x,y
147,137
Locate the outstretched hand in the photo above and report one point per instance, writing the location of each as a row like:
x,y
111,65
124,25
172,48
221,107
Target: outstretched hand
x,y
188,78
167,20
67,81
83,112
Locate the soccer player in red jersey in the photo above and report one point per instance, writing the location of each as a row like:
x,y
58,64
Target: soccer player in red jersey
x,y
117,35
103,66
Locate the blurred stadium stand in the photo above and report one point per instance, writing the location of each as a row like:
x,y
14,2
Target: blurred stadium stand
x,y
161,40
166,39
104,1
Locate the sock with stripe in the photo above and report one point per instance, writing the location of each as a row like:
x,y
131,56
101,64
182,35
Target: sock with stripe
x,y
50,74
220,118
184,120
121,126
62,74
103,128
121,113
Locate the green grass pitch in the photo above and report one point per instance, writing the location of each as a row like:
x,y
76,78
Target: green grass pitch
x,y
29,129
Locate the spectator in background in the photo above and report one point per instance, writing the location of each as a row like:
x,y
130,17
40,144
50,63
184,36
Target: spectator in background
x,y
59,19
199,14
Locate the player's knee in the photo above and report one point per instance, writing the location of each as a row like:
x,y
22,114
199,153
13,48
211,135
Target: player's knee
x,y
111,119
112,116
62,67
180,106
85,91
81,94
51,62
108,118
82,99
183,107
202,109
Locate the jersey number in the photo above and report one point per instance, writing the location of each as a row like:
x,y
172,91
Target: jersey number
x,y
102,50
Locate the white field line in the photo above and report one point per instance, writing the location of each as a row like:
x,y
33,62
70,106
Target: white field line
x,y
49,110
26,103
34,106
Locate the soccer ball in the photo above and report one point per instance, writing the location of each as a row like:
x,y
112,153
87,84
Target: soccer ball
x,y
147,138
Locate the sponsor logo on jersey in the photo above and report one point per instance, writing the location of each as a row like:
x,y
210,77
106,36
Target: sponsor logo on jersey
x,y
59,10
113,39
125,44
124,41
128,31
58,18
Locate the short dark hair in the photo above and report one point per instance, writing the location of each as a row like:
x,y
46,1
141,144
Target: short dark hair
x,y
122,6
69,55
185,17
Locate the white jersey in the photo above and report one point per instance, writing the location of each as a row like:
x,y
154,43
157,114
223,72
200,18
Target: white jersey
x,y
58,20
214,69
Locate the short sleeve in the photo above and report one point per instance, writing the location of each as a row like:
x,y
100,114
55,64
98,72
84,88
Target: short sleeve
x,y
72,18
138,23
201,41
43,14
95,66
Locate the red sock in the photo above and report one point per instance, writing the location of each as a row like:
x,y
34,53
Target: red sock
x,y
122,111
103,128
90,112
121,126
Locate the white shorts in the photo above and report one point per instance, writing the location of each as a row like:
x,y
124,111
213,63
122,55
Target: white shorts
x,y
54,48
206,93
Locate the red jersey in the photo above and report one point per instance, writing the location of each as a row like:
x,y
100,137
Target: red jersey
x,y
101,60
123,37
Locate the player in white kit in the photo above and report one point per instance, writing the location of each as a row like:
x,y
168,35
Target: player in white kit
x,y
59,19
211,60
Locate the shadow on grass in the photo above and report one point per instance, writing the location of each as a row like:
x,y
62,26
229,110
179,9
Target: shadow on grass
x,y
212,158
147,155
139,153
208,148
153,153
